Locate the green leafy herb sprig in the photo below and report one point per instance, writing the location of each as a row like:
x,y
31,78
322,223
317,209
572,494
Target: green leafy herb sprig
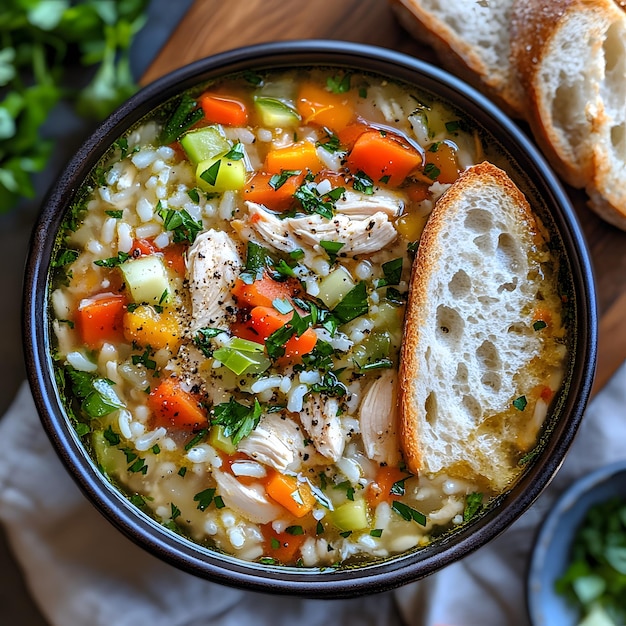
x,y
40,39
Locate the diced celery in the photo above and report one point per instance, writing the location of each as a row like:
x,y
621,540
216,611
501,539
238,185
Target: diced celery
x,y
274,113
110,459
204,143
242,361
220,441
147,280
388,316
352,515
245,345
220,174
335,286
373,348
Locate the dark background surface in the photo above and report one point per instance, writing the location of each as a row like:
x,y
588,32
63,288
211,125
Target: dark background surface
x,y
16,606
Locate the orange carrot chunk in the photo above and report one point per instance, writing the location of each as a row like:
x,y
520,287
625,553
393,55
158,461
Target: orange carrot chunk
x,y
281,546
295,496
174,407
100,318
441,163
277,198
318,106
380,489
384,158
223,110
264,291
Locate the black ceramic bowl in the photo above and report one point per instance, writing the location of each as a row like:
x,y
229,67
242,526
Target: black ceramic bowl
x,y
532,175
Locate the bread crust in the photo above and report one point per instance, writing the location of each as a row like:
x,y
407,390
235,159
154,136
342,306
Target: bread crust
x,y
446,215
460,57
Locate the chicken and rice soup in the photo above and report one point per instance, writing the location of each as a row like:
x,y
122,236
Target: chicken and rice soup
x,y
228,304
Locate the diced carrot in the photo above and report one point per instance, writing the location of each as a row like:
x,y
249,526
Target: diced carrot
x,y
546,393
223,110
319,106
300,156
141,247
441,158
380,489
147,327
263,321
348,135
259,190
264,291
295,496
174,257
174,407
100,318
281,546
383,157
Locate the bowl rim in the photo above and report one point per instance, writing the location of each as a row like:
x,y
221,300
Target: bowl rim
x,y
155,538
581,494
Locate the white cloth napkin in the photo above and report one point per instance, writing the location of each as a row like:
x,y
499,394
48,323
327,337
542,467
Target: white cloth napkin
x,y
81,571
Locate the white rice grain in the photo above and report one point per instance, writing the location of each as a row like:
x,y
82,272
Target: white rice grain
x,y
124,237
80,362
263,384
147,440
108,230
248,468
123,422
144,209
295,398
143,158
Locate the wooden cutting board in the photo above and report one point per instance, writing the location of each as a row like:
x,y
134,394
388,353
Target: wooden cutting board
x,y
212,26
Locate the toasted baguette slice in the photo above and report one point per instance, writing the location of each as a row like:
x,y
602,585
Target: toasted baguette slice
x,y
570,56
471,38
469,339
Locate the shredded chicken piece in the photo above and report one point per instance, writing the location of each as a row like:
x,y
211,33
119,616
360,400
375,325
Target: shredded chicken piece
x,y
378,419
360,204
276,441
249,501
364,233
213,264
319,419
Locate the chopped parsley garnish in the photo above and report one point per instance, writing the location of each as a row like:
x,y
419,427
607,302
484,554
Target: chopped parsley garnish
x,y
253,78
138,466
184,117
237,419
294,530
282,305
219,503
432,171
473,504
194,195
330,385
65,258
155,449
353,305
453,126
196,439
113,261
267,560
144,359
82,429
339,83
182,471
348,487
138,500
345,534
210,174
236,153
278,180
115,214
539,325
393,296
392,272
275,343
520,403
376,532
380,364
363,183
332,144
312,202
297,254
398,489
319,528
384,179
122,145
184,227
204,498
407,513
258,259
96,394
113,439
202,339
332,248
175,511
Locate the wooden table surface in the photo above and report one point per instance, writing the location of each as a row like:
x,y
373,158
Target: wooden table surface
x,y
212,26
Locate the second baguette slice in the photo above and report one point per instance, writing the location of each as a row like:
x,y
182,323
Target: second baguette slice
x,y
469,338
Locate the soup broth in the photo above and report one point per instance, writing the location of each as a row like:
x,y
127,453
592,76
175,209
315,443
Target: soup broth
x,y
228,312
